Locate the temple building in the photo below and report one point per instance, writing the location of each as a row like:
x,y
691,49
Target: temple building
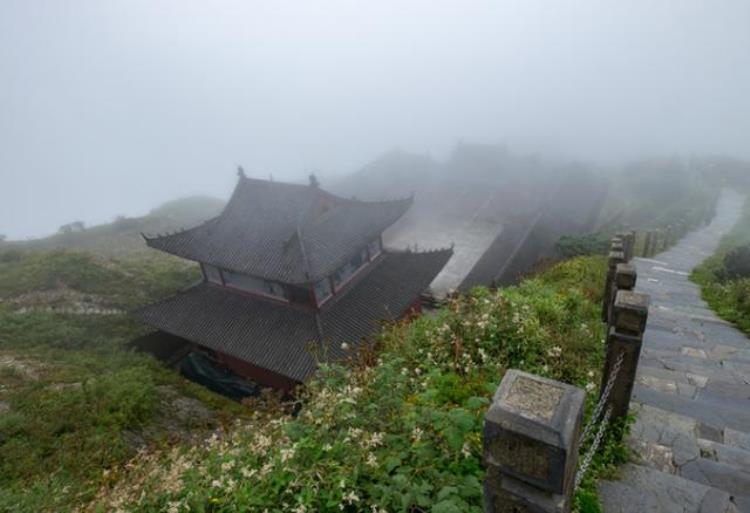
x,y
292,275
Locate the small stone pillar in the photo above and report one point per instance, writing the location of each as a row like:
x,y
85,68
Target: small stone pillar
x,y
615,257
630,253
649,245
625,278
531,435
625,336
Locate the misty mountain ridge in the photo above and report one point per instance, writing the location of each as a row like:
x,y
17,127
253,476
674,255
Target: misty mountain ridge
x,y
122,237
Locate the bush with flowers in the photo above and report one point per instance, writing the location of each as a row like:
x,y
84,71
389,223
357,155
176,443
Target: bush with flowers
x,y
397,428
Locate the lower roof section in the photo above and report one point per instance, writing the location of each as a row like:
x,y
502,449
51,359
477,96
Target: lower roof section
x,y
283,338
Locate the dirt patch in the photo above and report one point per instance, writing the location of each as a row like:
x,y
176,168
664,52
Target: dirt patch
x,y
26,369
60,300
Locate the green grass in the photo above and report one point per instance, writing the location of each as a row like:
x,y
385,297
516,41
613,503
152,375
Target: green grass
x,y
122,237
79,402
730,298
398,428
401,428
121,283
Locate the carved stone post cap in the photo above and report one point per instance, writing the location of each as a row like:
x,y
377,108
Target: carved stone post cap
x,y
531,430
625,276
630,312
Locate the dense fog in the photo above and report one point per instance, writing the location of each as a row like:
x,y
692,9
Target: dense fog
x,y
111,108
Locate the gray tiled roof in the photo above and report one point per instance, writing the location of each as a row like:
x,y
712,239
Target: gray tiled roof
x,y
285,232
278,336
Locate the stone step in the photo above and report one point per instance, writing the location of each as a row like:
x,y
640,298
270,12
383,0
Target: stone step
x,y
707,412
725,454
718,475
711,358
728,371
646,490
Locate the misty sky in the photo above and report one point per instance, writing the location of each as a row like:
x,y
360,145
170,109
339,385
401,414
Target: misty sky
x,y
112,107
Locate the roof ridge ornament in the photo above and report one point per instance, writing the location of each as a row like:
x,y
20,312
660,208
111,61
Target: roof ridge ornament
x,y
241,172
314,181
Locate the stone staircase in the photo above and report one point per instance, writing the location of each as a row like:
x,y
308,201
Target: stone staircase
x,y
691,440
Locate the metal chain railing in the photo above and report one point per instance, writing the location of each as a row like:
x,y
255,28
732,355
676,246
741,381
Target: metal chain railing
x,y
589,456
603,398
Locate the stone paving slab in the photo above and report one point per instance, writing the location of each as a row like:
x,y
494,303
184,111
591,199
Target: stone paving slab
x,y
691,439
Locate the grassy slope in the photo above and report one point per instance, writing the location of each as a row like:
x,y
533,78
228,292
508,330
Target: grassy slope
x,y
77,402
730,298
401,431
122,237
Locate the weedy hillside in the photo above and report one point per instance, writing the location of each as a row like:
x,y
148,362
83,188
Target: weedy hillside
x,y
74,401
87,422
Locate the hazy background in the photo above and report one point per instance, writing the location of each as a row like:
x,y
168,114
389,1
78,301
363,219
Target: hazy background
x,y
111,107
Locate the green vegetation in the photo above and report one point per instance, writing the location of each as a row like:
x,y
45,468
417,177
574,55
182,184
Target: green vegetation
x,y
648,195
400,428
722,278
74,402
122,237
88,422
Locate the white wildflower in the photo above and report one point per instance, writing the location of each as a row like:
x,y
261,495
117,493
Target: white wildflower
x,y
287,454
350,498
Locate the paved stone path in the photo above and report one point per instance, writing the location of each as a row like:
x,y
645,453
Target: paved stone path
x,y
691,439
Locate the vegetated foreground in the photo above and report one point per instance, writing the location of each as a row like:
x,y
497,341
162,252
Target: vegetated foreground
x,y
86,422
73,401
397,430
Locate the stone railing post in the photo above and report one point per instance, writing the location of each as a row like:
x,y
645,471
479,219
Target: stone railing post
x,y
648,250
531,433
633,237
625,278
628,239
624,340
615,257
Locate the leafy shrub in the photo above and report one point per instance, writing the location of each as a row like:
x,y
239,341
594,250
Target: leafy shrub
x,y
569,246
737,262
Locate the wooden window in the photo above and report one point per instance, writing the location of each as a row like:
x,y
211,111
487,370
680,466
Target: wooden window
x,y
255,285
349,269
